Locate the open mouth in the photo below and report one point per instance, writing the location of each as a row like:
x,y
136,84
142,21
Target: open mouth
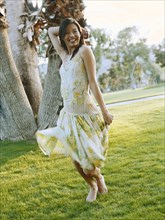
x,y
72,41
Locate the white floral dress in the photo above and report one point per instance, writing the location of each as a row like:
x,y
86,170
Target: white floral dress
x,y
80,132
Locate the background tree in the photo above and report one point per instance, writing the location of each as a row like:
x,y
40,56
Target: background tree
x,y
100,43
160,54
131,61
104,81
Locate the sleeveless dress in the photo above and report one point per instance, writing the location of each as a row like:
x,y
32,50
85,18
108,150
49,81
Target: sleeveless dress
x,y
81,132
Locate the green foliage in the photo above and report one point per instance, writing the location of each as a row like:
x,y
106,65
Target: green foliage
x,y
132,65
39,188
102,41
44,43
100,36
160,54
104,81
125,36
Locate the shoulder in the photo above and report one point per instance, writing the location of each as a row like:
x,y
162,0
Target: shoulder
x,y
86,52
86,49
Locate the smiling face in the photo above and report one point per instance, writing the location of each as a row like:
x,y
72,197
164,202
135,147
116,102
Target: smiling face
x,y
72,37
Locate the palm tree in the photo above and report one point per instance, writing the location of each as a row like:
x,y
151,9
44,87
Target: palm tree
x,y
16,116
25,54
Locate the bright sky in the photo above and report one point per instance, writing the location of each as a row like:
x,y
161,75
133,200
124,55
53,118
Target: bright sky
x,y
114,15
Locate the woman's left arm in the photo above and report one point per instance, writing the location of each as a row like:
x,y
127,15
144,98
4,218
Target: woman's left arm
x,y
90,65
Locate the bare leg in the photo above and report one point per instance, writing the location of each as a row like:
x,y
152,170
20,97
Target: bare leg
x,y
93,186
88,179
99,179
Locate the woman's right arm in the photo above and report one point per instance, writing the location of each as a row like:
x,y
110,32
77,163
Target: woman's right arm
x,y
53,33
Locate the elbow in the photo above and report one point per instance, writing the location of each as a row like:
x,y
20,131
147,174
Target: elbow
x,y
93,85
93,82
51,31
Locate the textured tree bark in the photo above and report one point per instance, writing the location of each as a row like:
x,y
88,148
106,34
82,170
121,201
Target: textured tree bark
x,y
16,116
51,102
25,55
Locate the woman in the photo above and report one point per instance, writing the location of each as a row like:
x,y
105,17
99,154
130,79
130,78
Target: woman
x,y
81,130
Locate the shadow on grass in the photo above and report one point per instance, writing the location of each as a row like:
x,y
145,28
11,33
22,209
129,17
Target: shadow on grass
x,y
12,149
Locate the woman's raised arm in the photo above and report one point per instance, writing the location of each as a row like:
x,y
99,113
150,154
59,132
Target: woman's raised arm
x,y
53,33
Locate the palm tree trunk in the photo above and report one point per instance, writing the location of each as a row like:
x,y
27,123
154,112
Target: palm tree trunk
x,y
25,55
16,116
51,102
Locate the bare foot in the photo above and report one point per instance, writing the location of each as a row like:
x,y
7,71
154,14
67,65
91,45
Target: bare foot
x,y
102,188
92,193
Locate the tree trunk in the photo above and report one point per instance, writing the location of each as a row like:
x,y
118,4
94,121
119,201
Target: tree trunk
x,y
51,102
133,83
25,56
16,116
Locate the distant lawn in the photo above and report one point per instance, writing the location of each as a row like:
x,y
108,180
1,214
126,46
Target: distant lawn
x,y
34,187
134,94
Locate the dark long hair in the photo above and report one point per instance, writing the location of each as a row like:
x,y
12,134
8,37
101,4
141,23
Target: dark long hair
x,y
62,32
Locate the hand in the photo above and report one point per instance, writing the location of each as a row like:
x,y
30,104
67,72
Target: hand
x,y
108,118
85,32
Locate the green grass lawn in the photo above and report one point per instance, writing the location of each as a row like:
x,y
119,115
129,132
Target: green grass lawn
x,y
34,187
134,94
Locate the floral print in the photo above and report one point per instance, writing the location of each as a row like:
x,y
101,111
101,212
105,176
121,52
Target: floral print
x,y
80,132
